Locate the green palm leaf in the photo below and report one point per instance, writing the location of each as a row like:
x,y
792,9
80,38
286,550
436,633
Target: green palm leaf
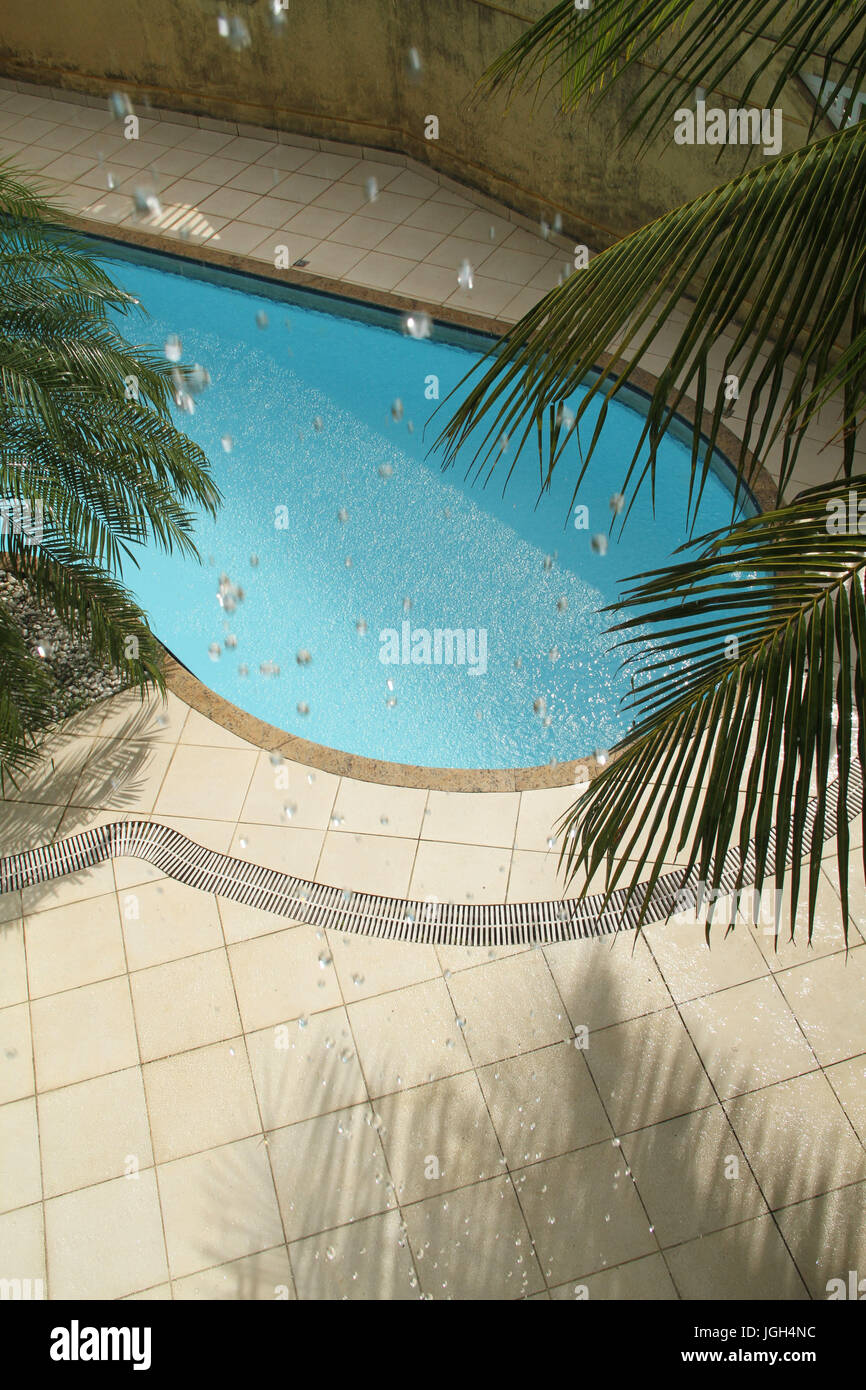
x,y
755,691
679,46
109,470
775,260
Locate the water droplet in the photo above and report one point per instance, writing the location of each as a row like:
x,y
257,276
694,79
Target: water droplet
x,y
371,188
303,707
231,642
261,319
120,105
361,627
254,562
397,410
173,347
617,502
418,324
290,809
303,657
548,563
386,470
602,757
561,604
599,544
318,423
342,514
465,276
214,651
539,705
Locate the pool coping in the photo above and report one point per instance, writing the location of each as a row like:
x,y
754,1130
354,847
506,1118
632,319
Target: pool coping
x,y
189,688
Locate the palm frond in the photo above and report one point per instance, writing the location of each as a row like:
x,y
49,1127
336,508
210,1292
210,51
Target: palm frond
x,y
680,46
752,701
776,262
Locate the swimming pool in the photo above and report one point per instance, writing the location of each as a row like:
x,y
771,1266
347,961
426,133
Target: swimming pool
x,y
351,592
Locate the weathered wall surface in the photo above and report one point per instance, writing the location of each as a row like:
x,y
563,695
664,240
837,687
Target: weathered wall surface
x,y
339,69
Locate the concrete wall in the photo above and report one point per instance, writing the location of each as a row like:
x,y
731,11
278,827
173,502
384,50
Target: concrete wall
x,y
339,69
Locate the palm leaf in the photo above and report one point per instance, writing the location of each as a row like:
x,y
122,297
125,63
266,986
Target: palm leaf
x,y
738,735
680,46
775,260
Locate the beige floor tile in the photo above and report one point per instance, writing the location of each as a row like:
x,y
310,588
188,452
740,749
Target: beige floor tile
x,y
473,1244
361,231
583,1213
218,1207
797,1139
538,816
94,1131
27,824
508,1007
165,921
152,720
413,185
51,780
428,282
544,1104
379,271
608,980
438,1137
453,250
472,818
369,1260
745,1262
414,242
283,976
367,863
643,1280
647,1070
454,958
10,907
301,188
538,877
265,1276
460,873
22,1250
16,1054
827,1238
352,1178
691,968
241,237
92,883
13,966
301,1071
242,923
692,1176
209,1012
366,966
73,945
83,1033
200,1099
486,296
434,216
407,1037
20,1172
333,261
122,776
827,998
207,782
315,222
286,848
366,808
747,1037
391,208
272,212
288,793
105,1241
158,1294
848,1080
199,729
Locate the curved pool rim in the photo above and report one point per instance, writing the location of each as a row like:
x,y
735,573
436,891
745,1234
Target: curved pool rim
x,y
761,492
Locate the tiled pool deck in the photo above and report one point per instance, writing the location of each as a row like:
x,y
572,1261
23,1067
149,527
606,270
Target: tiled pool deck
x,y
197,1100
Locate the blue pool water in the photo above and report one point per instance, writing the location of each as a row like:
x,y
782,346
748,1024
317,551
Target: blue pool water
x,y
307,403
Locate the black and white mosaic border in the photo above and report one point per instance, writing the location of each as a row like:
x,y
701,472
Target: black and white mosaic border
x,y
397,919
